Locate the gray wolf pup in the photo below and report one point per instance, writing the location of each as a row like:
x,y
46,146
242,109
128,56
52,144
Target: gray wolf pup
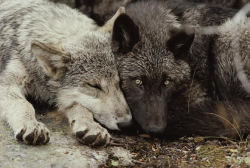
x,y
177,82
59,56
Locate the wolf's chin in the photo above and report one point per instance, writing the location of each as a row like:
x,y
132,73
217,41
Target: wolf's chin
x,y
108,124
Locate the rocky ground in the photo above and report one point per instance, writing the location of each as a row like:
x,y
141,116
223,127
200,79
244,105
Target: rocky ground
x,y
124,151
63,150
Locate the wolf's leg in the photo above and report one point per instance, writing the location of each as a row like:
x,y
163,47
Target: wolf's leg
x,y
14,107
85,128
20,115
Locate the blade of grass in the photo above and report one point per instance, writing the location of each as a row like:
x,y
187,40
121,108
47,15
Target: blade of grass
x,y
228,123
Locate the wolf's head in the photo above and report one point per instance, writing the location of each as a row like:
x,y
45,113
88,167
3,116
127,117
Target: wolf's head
x,y
152,66
82,71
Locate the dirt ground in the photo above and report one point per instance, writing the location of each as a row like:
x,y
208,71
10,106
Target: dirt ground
x,y
185,152
125,150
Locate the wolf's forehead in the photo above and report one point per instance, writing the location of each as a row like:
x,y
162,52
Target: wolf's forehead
x,y
90,51
148,61
94,39
152,54
97,67
88,42
145,67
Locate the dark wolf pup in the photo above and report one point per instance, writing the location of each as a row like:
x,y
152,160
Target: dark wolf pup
x,y
177,82
59,56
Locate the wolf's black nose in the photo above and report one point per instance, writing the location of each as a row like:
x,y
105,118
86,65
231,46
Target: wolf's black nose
x,y
125,125
155,130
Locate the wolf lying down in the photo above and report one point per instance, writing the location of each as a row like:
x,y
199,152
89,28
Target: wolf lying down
x,y
178,82
58,55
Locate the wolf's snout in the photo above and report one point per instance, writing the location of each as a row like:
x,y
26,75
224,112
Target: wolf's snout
x,y
155,130
125,125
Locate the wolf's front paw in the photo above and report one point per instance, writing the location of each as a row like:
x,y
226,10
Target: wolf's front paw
x,y
33,133
91,133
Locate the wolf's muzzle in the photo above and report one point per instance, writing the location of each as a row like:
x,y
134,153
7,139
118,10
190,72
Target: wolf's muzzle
x,y
125,126
156,131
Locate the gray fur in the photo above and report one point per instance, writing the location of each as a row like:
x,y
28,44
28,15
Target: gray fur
x,y
59,56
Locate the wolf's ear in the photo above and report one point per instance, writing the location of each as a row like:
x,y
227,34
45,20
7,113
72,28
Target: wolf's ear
x,y
51,57
125,34
108,27
180,42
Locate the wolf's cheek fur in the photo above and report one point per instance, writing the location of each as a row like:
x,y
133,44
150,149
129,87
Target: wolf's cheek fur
x,y
108,109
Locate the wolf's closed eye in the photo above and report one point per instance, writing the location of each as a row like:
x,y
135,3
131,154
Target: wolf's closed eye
x,y
95,86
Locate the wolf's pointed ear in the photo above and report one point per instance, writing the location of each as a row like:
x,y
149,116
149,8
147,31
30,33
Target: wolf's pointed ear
x,y
51,57
108,27
125,34
180,42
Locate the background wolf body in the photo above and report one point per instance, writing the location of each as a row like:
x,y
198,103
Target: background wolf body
x,y
172,79
102,10
59,56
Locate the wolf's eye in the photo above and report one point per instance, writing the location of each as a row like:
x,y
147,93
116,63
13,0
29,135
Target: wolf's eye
x,y
95,86
167,83
138,82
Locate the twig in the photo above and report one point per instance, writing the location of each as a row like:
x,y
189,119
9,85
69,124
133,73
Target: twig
x,y
115,144
138,162
144,151
208,152
233,143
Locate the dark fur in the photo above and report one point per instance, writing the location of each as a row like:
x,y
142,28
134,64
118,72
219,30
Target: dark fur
x,y
101,10
198,95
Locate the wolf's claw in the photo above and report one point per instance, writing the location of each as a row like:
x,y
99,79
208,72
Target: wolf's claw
x,y
91,134
34,133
